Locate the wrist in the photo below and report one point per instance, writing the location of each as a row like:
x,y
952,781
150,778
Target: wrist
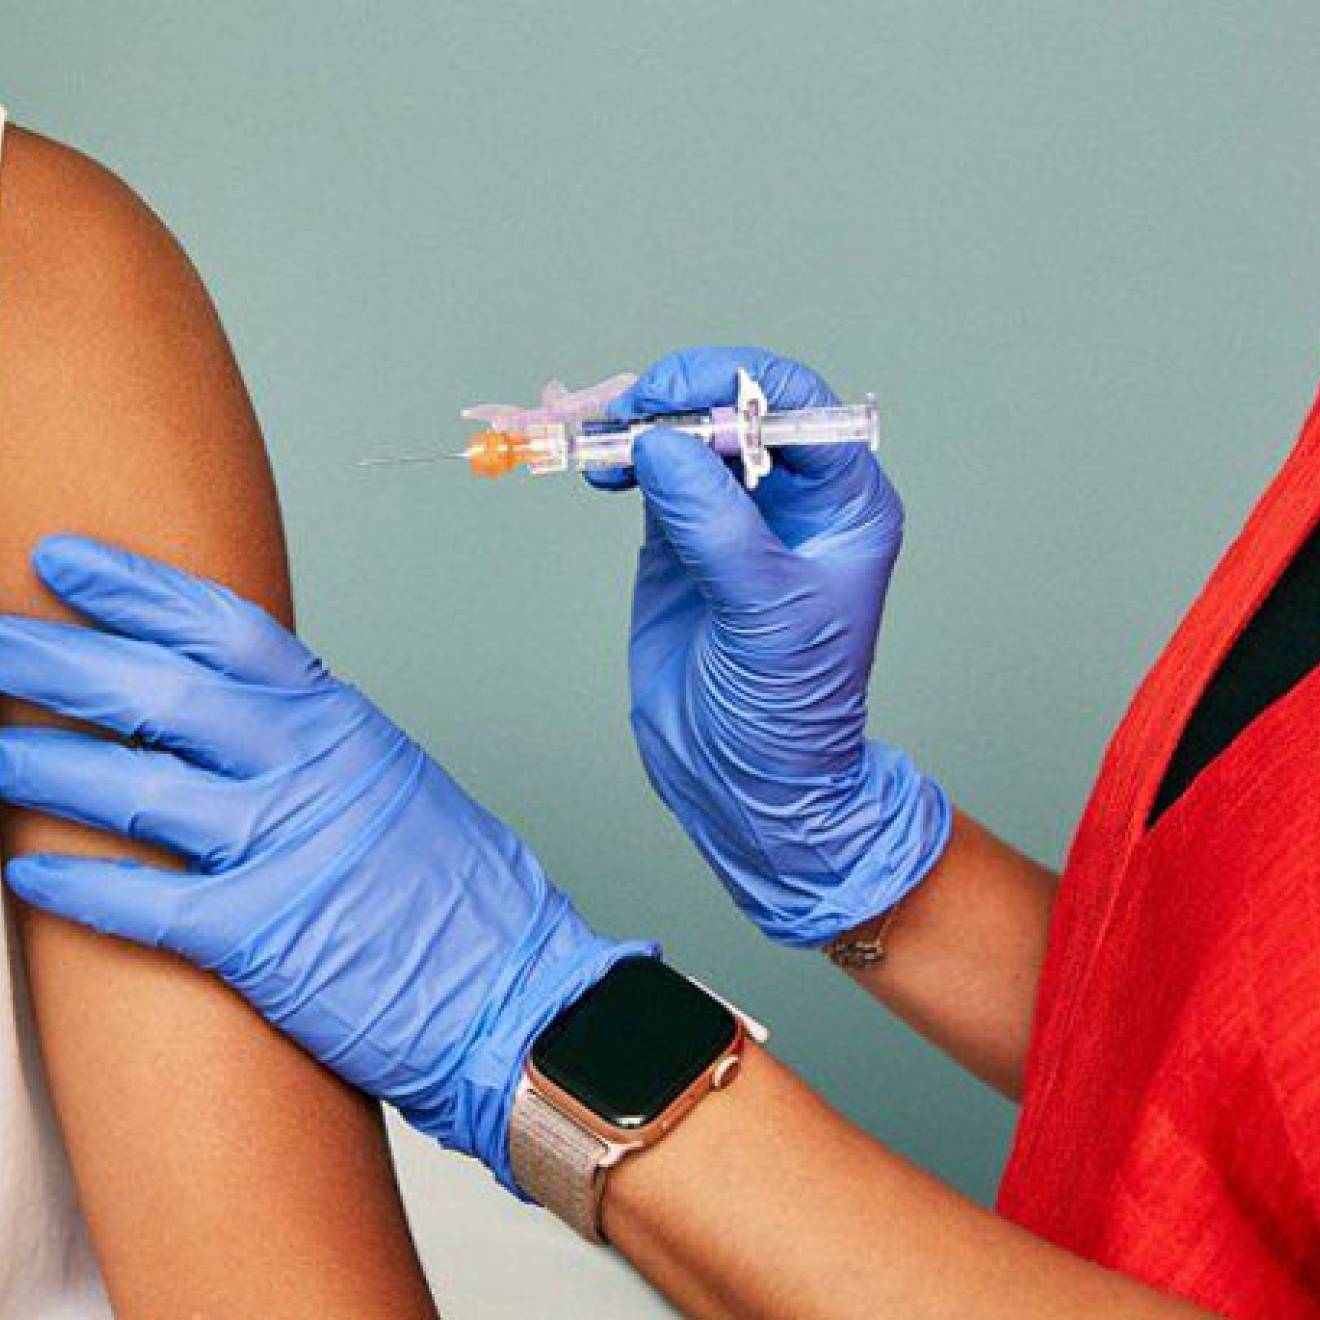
x,y
683,1168
915,824
890,829
615,1074
469,1105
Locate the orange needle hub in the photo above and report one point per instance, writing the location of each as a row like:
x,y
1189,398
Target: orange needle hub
x,y
497,453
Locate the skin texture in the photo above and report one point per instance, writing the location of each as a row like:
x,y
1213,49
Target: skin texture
x,y
766,1203
207,1189
964,953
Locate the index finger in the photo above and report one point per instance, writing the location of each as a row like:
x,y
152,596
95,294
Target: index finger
x,y
144,691
707,377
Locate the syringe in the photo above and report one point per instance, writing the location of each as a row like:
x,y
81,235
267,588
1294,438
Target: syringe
x,y
746,430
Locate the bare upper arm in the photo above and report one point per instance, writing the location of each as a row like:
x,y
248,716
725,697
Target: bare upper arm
x,y
223,1172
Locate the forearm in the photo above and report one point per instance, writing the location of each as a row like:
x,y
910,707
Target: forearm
x,y
767,1203
964,953
755,618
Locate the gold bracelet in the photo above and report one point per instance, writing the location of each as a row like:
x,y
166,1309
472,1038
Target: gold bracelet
x,y
854,952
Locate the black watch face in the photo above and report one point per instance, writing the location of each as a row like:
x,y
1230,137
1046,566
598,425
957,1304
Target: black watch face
x,y
634,1042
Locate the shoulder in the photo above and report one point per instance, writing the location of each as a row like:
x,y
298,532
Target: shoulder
x,y
44,180
78,247
63,209
119,395
108,337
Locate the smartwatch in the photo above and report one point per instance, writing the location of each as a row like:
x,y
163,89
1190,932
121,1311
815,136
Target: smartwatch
x,y
615,1072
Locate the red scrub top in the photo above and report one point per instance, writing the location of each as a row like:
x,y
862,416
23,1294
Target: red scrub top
x,y
1171,1118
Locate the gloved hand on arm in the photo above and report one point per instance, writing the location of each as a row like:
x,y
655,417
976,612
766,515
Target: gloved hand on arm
x,y
337,878
754,625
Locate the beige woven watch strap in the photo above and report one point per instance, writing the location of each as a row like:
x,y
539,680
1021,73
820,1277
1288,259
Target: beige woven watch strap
x,y
557,1162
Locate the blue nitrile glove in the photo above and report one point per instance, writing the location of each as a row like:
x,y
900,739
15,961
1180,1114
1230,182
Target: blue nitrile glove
x,y
754,626
339,879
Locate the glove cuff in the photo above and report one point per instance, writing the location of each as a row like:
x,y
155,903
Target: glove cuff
x,y
911,819
559,960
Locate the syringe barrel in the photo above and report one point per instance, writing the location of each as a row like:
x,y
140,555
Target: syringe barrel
x,y
598,445
602,448
842,424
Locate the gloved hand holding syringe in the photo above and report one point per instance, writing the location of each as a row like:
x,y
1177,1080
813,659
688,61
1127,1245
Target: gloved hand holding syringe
x,y
573,431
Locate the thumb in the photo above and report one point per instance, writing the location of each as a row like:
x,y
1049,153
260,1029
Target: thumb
x,y
715,529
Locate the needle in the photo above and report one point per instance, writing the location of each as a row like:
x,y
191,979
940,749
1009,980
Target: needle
x,y
398,459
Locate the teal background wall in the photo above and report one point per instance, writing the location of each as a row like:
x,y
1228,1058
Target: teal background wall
x,y
1073,247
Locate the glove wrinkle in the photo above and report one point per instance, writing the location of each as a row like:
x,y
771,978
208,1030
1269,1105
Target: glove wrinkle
x,y
754,625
